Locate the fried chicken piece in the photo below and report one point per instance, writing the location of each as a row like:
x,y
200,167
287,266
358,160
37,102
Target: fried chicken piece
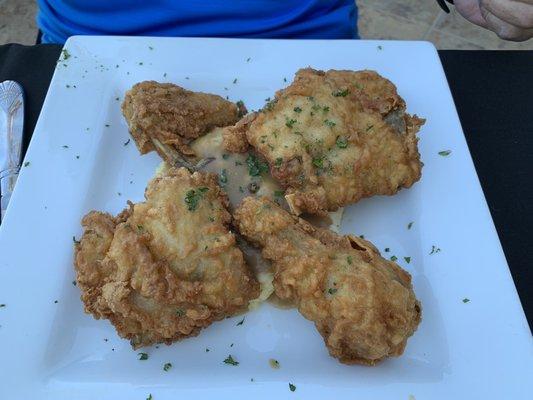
x,y
332,138
165,268
363,305
174,115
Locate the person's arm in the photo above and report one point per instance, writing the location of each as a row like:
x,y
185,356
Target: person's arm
x,y
509,19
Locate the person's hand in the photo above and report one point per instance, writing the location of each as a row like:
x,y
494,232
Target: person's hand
x,y
509,19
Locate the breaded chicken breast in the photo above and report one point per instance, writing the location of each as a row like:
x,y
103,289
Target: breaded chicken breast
x,y
363,305
173,115
332,138
165,268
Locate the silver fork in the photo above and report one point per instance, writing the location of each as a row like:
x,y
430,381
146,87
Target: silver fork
x,y
11,128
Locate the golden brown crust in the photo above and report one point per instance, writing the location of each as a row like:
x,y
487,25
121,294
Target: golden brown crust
x,y
165,268
234,137
173,115
332,138
363,305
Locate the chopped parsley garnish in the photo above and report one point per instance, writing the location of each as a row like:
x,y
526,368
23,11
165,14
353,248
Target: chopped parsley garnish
x,y
380,47
212,219
434,250
466,300
150,47
284,79
278,193
407,259
297,109
362,236
289,122
192,197
341,93
223,177
180,312
445,153
225,156
65,146
167,366
74,283
386,250
150,397
143,356
27,163
341,142
274,363
248,59
325,109
316,107
410,225
74,240
292,387
240,322
278,162
329,123
318,162
127,142
235,80
207,349
270,105
349,259
2,305
332,290
255,166
229,360
66,54
369,127
240,105
238,163
393,258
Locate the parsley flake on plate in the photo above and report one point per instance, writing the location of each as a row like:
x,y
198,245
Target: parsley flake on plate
x,y
445,153
393,258
434,250
466,300
231,361
407,259
167,366
241,321
274,364
292,387
143,356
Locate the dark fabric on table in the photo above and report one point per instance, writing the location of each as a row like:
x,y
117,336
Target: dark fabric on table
x,y
32,67
493,92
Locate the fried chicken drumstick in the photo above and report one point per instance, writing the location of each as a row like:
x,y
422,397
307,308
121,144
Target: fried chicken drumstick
x,y
332,138
363,305
165,268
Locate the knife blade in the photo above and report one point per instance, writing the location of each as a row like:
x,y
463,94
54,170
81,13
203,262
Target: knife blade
x,y
11,128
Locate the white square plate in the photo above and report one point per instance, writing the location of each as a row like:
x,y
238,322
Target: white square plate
x,y
79,160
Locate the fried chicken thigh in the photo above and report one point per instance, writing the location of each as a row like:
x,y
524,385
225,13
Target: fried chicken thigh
x,y
173,115
165,268
332,138
363,305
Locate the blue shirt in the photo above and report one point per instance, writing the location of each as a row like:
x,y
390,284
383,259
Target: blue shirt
x,y
312,19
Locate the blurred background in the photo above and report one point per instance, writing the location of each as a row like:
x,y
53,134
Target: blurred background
x,y
378,19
